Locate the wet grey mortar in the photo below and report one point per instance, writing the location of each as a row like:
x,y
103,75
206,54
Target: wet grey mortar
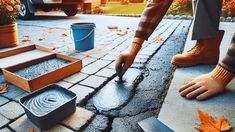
x,y
47,101
41,68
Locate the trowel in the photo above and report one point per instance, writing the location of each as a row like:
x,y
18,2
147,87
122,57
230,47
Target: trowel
x,y
152,124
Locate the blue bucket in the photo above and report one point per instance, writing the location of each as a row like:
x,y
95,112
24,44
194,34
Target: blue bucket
x,y
83,35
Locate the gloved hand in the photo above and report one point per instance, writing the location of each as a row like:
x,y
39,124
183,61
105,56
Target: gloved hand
x,y
207,85
124,60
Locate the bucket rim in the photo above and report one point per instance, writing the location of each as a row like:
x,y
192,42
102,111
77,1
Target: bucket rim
x,y
83,24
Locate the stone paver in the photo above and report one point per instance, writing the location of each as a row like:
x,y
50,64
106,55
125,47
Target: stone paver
x,y
81,91
78,119
93,81
88,60
111,65
3,100
64,84
23,124
77,77
13,92
3,121
11,110
106,72
5,130
94,67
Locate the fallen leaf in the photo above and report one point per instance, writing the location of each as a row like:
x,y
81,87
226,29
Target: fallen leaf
x,y
41,39
31,130
30,43
159,40
3,88
177,38
89,57
208,124
64,35
112,27
26,36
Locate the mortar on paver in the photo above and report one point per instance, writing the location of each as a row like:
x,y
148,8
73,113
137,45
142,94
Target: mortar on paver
x,y
49,106
41,68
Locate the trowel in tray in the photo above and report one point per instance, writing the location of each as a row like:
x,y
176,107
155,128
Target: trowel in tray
x,y
152,124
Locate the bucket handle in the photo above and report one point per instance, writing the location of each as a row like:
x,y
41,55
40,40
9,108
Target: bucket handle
x,y
83,37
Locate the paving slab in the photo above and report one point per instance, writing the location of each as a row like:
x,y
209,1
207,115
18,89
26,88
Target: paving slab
x,y
5,130
106,72
82,92
11,110
23,124
78,119
96,66
181,114
93,81
111,65
64,84
3,100
3,120
13,92
75,78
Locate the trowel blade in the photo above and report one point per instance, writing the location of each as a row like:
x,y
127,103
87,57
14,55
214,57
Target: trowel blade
x,y
152,124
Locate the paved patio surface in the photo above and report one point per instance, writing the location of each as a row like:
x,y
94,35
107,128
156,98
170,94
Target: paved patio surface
x,y
181,114
103,105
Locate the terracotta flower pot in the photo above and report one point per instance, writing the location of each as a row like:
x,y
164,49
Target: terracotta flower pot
x,y
8,36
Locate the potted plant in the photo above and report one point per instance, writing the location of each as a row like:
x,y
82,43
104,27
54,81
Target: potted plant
x,y
9,11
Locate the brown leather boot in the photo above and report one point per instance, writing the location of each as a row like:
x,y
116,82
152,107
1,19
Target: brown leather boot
x,y
204,52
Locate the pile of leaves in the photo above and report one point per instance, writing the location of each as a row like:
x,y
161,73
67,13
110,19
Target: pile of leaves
x,y
181,7
9,11
184,7
229,7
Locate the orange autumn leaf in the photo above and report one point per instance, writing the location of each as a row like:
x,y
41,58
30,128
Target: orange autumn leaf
x,y
26,36
25,40
159,40
31,130
88,56
3,88
31,43
208,124
41,39
64,35
177,38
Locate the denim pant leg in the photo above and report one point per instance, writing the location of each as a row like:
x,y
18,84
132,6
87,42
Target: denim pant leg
x,y
206,18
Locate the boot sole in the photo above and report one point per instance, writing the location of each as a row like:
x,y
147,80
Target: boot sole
x,y
192,64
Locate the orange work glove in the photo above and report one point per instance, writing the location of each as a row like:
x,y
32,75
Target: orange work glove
x,y
124,60
207,85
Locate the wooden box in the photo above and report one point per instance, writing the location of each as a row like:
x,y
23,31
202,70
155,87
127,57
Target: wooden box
x,y
22,54
45,79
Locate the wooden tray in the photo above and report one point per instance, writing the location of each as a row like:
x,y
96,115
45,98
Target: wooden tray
x,y
22,54
45,79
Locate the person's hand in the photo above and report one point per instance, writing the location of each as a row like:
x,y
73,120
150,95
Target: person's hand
x,y
201,88
125,60
207,85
